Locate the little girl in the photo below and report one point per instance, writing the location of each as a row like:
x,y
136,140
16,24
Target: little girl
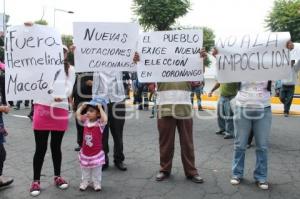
x,y
91,155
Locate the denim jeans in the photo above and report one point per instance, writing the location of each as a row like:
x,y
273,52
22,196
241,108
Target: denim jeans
x,y
259,120
225,115
198,91
286,96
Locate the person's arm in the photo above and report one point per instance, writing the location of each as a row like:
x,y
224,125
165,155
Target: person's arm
x,y
297,66
4,109
216,86
136,58
70,81
96,83
79,111
103,118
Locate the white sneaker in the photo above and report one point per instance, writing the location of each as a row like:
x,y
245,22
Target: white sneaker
x,y
83,185
97,187
263,185
35,189
235,181
60,182
5,181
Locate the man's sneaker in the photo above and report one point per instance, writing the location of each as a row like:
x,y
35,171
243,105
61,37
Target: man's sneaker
x,y
97,187
263,185
77,148
60,182
161,176
228,136
4,181
196,179
286,115
35,188
235,181
83,185
221,132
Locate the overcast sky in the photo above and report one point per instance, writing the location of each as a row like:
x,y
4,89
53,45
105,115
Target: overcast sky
x,y
223,16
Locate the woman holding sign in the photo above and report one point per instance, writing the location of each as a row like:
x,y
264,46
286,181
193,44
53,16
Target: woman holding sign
x,y
252,112
51,118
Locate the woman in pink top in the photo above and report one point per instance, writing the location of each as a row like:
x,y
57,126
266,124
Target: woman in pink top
x,y
51,118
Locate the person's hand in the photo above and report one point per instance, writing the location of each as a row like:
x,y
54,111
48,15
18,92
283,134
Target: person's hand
x,y
136,58
28,23
58,99
5,109
210,94
215,52
89,83
72,48
203,53
290,45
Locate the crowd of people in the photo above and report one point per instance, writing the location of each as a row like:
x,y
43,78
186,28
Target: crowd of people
x,y
99,101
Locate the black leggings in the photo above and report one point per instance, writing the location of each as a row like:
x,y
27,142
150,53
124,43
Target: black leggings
x,y
2,157
41,143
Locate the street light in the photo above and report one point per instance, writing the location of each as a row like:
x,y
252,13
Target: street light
x,y
61,10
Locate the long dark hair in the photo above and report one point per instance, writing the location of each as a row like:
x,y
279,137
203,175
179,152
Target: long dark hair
x,y
66,63
66,66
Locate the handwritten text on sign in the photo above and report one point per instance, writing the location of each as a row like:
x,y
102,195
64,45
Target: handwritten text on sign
x,y
34,62
253,57
105,46
170,56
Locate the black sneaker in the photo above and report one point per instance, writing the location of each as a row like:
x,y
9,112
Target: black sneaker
x,y
162,176
77,148
228,136
5,181
221,132
196,179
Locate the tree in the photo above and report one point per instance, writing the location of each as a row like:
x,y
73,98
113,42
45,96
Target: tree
x,y
41,22
160,14
285,16
67,40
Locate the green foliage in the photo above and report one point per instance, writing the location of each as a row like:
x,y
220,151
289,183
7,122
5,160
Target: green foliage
x,y
159,14
67,40
285,16
41,22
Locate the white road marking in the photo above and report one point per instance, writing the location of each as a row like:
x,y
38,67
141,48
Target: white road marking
x,y
20,116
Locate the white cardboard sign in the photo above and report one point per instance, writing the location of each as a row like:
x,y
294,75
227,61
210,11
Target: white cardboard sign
x,y
170,56
105,46
253,57
34,63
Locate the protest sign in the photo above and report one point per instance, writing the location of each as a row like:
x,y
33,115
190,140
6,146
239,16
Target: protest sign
x,y
170,56
253,57
295,53
105,46
34,63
